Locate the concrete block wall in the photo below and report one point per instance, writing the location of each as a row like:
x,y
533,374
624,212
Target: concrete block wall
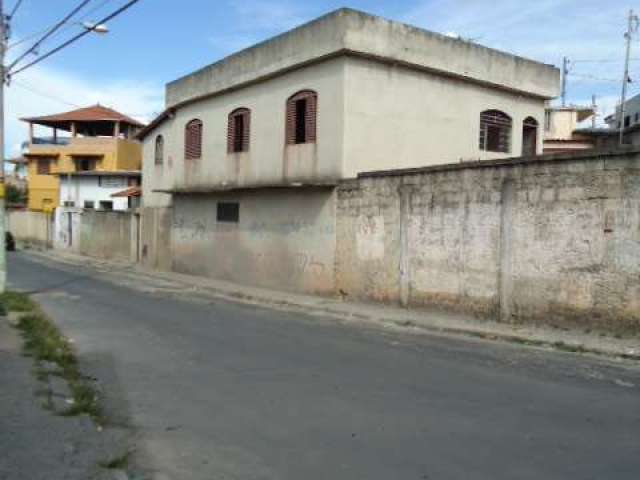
x,y
155,235
105,234
30,228
552,240
284,238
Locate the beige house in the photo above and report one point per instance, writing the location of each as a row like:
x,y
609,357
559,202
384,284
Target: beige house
x,y
239,170
560,129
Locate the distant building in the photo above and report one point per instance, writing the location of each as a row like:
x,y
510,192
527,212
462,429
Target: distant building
x,y
560,125
17,176
240,169
96,190
631,115
101,141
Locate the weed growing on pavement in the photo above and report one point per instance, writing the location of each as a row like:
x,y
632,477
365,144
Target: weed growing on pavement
x,y
44,342
117,463
17,302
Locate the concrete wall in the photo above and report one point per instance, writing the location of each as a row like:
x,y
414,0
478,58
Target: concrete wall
x,y
273,244
30,228
269,161
154,241
421,118
105,234
554,241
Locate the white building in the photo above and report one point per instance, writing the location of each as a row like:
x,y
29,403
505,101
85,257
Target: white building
x,y
95,189
240,169
631,114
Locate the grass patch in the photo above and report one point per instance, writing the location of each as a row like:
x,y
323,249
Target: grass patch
x,y
44,342
565,347
118,463
17,302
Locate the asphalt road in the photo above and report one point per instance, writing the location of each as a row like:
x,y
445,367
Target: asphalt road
x,y
227,391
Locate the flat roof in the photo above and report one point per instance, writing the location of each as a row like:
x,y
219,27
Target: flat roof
x,y
347,31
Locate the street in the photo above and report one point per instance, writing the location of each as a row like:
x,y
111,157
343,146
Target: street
x,y
231,391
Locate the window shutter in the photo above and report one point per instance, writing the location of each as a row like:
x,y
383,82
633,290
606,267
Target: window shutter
x,y
246,135
310,120
193,140
291,121
231,132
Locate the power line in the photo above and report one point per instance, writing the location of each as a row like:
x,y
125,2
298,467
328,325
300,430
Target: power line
x,y
74,38
63,29
15,8
592,77
26,86
604,60
50,32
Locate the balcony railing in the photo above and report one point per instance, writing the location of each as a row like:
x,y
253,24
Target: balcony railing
x,y
51,141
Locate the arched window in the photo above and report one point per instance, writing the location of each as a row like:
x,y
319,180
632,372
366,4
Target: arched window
x,y
238,130
529,137
495,131
193,140
302,110
159,153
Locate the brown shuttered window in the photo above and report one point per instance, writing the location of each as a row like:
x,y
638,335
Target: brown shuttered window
x,y
301,117
43,166
239,130
495,131
193,140
159,154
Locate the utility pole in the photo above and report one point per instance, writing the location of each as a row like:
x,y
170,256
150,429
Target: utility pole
x,y
632,27
594,107
565,72
4,35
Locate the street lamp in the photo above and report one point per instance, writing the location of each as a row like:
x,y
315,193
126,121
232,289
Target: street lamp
x,y
95,27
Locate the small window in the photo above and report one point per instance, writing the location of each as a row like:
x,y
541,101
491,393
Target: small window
x,y
44,166
636,117
529,137
228,212
89,204
159,152
238,130
495,131
547,120
301,117
68,203
106,205
627,121
85,164
193,140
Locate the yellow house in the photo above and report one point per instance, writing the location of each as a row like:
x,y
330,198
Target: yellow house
x,y
101,140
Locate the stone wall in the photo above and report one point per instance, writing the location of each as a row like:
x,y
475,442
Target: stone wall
x,y
553,239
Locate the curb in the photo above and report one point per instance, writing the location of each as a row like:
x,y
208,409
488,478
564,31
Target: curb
x,y
241,297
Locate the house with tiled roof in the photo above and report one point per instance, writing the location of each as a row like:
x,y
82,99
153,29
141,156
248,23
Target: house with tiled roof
x,y
93,147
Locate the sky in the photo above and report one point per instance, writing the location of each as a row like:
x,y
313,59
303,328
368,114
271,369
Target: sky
x,y
157,41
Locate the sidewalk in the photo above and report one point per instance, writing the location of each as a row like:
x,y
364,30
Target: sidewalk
x,y
387,316
36,443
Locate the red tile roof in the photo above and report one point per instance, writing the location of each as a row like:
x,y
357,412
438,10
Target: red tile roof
x,y
96,113
135,191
